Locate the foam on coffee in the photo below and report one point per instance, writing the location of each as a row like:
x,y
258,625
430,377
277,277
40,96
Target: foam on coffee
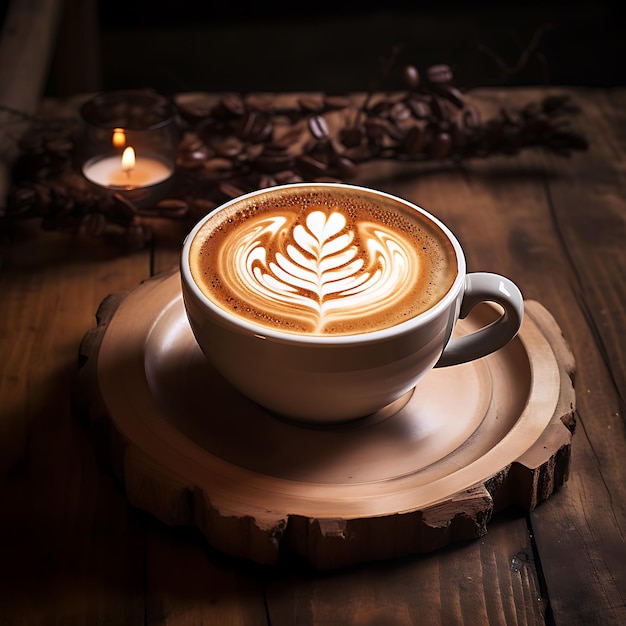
x,y
322,261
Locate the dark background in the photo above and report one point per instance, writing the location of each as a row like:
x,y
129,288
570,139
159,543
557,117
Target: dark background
x,y
335,46
338,47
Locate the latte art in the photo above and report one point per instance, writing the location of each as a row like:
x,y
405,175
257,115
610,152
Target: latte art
x,y
317,268
322,264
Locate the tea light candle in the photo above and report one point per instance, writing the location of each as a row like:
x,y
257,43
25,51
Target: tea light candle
x,y
127,143
127,172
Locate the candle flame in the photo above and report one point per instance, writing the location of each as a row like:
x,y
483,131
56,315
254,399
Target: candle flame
x,y
119,137
128,159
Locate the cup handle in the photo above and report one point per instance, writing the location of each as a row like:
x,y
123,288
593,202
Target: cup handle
x,y
486,287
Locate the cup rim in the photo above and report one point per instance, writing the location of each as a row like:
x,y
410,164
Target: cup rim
x,y
263,332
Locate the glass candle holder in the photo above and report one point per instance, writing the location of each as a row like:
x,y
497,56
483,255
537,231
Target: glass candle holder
x,y
127,144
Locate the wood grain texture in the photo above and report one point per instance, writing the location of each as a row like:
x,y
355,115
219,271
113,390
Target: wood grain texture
x,y
589,221
67,536
74,552
246,509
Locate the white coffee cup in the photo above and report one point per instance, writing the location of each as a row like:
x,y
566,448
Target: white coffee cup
x,y
339,375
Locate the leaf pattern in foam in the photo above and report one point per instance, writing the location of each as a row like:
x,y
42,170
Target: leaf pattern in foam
x,y
319,274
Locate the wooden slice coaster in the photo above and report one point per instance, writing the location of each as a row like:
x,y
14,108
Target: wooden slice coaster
x,y
418,475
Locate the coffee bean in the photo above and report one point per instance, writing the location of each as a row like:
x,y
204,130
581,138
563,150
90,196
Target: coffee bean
x,y
269,163
510,117
419,107
471,117
311,166
337,102
440,145
296,178
232,104
334,148
266,181
190,141
347,168
285,176
379,109
59,146
290,138
246,125
400,112
218,165
254,151
173,207
351,137
439,109
23,199
318,127
375,127
440,74
230,191
253,143
414,140
260,102
93,224
262,130
76,184
228,147
454,95
395,132
200,155
188,164
411,77
311,104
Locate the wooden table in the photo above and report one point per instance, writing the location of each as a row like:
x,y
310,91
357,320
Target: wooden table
x,y
74,551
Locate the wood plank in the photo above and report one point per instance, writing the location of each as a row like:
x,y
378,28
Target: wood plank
x,y
489,581
539,200
67,534
589,219
187,584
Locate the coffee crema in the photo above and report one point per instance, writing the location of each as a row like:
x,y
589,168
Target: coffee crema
x,y
322,262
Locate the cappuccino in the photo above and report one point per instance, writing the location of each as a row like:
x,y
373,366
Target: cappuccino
x,y
317,261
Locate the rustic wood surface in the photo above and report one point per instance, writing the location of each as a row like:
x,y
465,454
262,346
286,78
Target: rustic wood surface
x,y
74,551
192,452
